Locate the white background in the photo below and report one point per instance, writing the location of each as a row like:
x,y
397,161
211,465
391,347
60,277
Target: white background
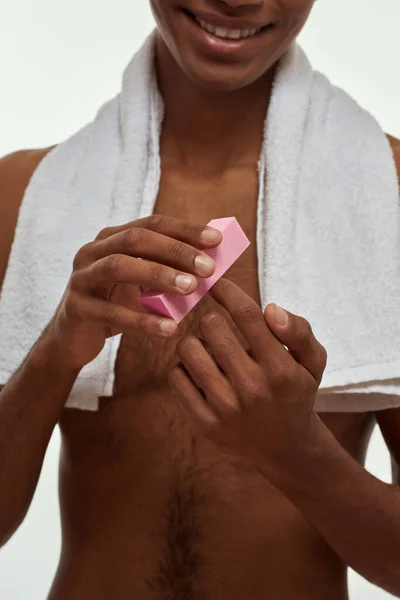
x,y
58,62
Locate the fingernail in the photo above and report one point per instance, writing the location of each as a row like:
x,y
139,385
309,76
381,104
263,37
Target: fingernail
x,y
281,317
183,282
168,326
210,235
204,265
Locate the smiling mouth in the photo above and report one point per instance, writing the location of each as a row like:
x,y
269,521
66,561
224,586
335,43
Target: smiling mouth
x,y
225,33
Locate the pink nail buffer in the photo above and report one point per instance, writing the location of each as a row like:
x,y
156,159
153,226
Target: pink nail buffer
x,y
175,306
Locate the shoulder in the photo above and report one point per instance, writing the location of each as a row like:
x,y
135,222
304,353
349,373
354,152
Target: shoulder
x,y
16,171
395,145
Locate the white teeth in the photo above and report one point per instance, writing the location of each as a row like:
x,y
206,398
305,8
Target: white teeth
x,y
233,34
208,27
227,34
221,32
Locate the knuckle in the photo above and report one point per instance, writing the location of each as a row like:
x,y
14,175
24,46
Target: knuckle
x,y
113,264
323,356
304,331
142,322
248,312
155,273
224,396
284,377
104,233
212,321
186,344
190,230
131,238
253,387
113,314
72,307
228,346
75,280
81,257
155,222
176,250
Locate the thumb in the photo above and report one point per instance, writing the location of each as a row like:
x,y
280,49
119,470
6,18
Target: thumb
x,y
297,335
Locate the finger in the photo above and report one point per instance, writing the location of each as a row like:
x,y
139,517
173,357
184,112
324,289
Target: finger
x,y
250,320
141,243
119,268
207,376
296,333
194,234
116,317
226,349
191,399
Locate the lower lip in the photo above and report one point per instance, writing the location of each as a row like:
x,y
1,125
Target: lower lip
x,y
224,47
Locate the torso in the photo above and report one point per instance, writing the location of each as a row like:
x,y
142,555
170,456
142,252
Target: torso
x,y
150,509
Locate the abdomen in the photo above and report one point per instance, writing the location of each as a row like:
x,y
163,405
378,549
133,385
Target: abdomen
x,y
151,510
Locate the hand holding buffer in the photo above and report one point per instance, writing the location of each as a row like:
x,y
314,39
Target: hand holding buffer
x,y
174,306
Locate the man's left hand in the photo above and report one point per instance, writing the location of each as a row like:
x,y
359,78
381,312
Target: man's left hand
x,y
259,404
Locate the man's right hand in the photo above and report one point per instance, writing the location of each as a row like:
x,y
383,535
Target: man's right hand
x,y
100,301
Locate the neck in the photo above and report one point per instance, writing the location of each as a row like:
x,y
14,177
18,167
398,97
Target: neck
x,y
206,131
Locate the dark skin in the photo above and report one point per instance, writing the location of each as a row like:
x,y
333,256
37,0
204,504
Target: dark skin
x,y
164,494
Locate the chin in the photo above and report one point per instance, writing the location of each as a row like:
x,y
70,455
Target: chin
x,y
220,82
220,77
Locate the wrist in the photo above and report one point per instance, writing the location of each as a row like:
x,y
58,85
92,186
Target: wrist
x,y
292,467
45,355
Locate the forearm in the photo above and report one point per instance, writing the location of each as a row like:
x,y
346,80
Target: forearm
x,y
357,514
30,405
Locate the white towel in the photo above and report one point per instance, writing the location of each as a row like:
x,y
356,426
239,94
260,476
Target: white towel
x,y
328,231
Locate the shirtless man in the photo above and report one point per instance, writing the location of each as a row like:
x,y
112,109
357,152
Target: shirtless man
x,y
160,498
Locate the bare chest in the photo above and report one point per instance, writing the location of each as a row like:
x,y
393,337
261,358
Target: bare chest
x,y
184,520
